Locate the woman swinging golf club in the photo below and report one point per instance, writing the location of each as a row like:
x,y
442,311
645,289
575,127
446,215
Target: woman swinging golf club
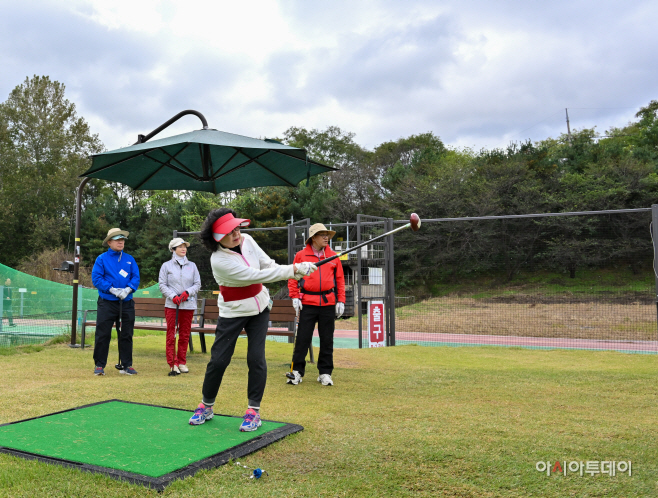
x,y
240,267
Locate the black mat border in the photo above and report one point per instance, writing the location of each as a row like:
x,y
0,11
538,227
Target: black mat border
x,y
159,483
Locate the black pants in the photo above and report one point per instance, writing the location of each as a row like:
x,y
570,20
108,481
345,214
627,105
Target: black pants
x,y
325,317
108,314
226,335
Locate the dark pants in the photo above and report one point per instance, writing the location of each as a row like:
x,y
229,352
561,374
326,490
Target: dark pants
x,y
325,317
107,315
226,335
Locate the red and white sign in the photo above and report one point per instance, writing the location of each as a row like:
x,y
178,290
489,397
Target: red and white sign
x,y
376,324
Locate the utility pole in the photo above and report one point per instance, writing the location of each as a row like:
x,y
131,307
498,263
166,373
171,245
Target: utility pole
x,y
568,127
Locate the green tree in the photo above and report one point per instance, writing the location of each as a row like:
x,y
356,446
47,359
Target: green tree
x,y
44,146
337,196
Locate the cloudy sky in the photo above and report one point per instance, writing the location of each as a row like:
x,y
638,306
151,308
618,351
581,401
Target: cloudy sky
x,y
476,73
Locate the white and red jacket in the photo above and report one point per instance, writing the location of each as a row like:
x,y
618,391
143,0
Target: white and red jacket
x,y
327,277
253,266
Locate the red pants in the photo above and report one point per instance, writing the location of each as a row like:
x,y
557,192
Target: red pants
x,y
184,326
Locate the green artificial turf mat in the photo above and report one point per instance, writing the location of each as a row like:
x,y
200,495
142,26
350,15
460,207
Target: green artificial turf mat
x,y
142,439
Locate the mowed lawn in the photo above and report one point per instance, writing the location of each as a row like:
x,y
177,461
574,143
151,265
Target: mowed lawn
x,y
403,421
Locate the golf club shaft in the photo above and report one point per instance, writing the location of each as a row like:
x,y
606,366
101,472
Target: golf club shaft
x,y
294,343
176,322
119,329
362,244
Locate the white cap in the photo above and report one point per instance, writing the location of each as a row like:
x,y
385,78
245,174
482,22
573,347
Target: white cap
x,y
177,242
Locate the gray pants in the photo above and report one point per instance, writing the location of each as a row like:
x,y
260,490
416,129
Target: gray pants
x,y
226,335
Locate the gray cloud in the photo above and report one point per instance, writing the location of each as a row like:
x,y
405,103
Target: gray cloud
x,y
474,72
572,54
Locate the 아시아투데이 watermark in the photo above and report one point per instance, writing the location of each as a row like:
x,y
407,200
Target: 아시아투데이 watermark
x,y
590,467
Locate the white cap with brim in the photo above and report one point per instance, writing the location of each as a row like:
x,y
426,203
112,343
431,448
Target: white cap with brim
x,y
177,242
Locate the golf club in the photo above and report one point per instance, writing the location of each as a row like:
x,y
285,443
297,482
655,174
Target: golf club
x,y
172,373
414,224
119,366
290,375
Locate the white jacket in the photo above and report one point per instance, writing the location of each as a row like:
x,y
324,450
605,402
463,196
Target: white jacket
x,y
231,269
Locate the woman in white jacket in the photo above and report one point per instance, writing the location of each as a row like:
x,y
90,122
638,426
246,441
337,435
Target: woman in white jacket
x,y
240,268
179,282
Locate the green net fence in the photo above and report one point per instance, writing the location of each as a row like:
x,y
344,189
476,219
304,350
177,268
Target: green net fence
x,y
35,310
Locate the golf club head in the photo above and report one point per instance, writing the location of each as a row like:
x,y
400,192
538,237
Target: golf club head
x,y
414,219
290,375
118,366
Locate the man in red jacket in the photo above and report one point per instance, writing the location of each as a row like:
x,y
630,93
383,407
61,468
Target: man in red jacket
x,y
318,298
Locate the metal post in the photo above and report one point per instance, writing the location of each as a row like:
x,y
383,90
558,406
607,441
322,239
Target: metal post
x,y
80,308
307,231
22,297
387,307
2,304
76,262
291,243
358,279
387,303
331,245
391,282
654,237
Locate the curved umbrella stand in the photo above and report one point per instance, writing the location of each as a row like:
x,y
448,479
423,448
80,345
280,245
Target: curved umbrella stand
x,y
204,160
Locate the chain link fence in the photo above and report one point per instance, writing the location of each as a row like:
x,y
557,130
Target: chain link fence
x,y
569,280
34,310
584,281
562,280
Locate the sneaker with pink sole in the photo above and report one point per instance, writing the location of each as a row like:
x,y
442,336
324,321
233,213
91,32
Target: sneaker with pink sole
x,y
201,414
251,421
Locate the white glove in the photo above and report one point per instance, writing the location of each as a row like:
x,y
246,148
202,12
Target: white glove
x,y
124,293
340,309
297,304
305,269
116,292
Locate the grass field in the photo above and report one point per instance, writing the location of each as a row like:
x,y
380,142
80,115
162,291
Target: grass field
x,y
404,421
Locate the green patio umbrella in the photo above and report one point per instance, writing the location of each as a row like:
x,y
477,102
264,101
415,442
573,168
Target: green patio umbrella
x,y
205,160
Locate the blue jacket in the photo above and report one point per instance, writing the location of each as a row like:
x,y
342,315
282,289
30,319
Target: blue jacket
x,y
115,269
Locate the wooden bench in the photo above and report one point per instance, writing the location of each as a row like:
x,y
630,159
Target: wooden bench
x,y
145,307
282,311
148,307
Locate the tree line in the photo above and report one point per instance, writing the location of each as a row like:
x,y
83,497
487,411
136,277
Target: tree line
x,y
45,145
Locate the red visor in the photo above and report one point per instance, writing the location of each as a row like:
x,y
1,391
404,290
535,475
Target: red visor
x,y
226,224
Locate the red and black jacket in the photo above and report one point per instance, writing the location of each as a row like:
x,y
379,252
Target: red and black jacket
x,y
322,287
